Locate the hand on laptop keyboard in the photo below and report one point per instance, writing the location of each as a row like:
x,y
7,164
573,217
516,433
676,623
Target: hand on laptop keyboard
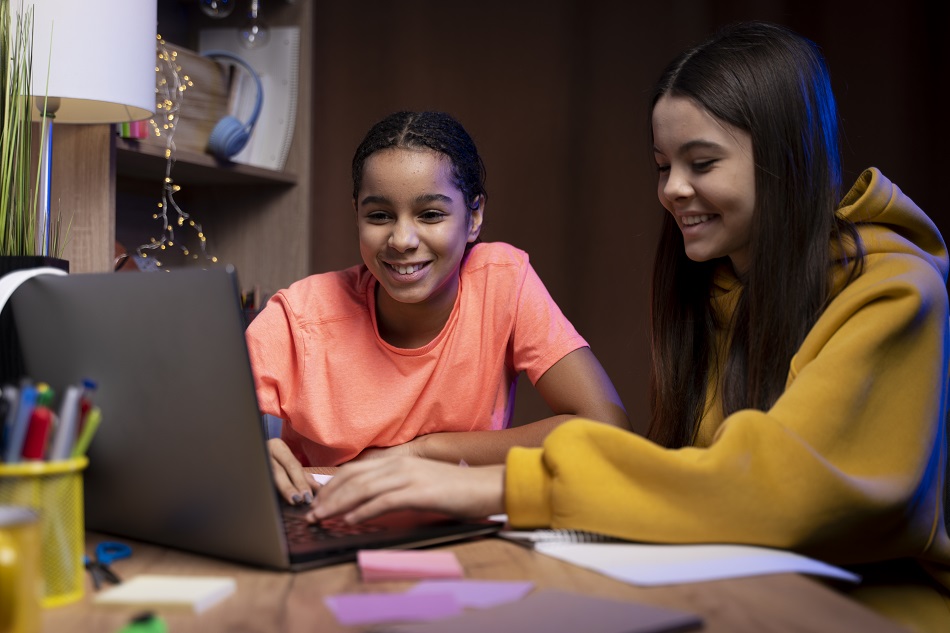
x,y
365,489
293,483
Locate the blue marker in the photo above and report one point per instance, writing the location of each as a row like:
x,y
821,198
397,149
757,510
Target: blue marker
x,y
11,396
17,433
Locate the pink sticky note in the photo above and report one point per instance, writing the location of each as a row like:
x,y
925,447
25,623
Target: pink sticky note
x,y
479,594
382,564
356,609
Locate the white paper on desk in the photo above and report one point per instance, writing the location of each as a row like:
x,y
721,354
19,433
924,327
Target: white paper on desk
x,y
321,479
651,565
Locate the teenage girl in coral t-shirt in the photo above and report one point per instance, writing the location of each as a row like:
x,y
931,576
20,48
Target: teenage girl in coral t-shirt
x,y
416,352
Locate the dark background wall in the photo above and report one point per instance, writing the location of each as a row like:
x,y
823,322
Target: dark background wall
x,y
554,93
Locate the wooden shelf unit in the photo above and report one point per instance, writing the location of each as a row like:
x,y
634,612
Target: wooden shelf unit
x,y
256,219
140,160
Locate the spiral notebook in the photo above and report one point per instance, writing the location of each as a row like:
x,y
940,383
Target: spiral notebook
x,y
531,538
651,564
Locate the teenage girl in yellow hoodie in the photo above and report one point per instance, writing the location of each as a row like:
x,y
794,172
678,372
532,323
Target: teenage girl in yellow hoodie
x,y
800,353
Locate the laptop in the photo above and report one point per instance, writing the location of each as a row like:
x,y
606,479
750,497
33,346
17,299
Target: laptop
x,y
180,457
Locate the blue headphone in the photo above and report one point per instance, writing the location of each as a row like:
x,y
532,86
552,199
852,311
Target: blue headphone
x,y
229,135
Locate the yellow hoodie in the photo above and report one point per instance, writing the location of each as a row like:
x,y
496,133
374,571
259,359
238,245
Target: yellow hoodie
x,y
848,466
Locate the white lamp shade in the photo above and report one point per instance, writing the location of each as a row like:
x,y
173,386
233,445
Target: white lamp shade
x,y
100,58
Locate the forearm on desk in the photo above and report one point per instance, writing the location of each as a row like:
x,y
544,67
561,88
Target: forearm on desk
x,y
478,448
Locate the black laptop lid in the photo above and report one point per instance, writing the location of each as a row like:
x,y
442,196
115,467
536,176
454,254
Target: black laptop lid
x,y
180,457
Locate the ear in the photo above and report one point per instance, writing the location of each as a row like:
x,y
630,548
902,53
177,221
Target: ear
x,y
475,217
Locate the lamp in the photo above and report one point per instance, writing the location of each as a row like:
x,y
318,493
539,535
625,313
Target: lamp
x,y
93,62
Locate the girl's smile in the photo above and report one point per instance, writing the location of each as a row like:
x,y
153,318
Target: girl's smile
x,y
406,273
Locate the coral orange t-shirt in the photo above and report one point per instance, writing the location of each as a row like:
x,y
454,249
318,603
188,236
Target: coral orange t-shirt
x,y
320,364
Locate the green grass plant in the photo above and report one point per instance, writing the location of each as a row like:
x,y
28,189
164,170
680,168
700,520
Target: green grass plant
x,y
19,192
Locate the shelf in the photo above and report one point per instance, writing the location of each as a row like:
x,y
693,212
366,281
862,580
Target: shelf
x,y
145,161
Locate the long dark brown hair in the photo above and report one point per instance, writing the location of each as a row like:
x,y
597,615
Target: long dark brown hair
x,y
774,84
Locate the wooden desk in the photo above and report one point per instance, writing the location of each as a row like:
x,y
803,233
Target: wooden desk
x,y
273,602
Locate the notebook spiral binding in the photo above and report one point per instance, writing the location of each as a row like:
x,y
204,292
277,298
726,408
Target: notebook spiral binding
x,y
531,537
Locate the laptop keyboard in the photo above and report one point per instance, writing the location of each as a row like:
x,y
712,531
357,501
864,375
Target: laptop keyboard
x,y
301,532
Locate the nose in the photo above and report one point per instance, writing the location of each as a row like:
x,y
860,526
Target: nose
x,y
676,186
403,237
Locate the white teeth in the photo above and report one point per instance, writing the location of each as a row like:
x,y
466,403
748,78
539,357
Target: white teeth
x,y
690,220
407,270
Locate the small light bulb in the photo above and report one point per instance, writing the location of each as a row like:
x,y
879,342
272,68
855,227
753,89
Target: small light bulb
x,y
217,8
254,34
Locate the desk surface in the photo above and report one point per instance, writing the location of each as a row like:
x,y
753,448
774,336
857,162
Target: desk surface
x,y
289,602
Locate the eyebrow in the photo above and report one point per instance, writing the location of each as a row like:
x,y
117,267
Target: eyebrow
x,y
691,145
425,198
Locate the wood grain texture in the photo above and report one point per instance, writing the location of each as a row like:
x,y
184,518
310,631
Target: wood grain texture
x,y
83,194
282,602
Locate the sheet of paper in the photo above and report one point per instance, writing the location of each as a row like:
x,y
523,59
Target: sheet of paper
x,y
650,565
358,609
478,594
383,564
561,612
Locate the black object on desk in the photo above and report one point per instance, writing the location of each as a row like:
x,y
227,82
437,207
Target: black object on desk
x,y
101,566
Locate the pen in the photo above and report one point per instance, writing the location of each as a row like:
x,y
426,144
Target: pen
x,y
38,428
11,396
93,418
4,406
17,433
85,401
66,430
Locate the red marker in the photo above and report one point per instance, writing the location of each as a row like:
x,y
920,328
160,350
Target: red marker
x,y
41,421
86,401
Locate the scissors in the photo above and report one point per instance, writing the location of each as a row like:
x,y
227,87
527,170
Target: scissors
x,y
106,553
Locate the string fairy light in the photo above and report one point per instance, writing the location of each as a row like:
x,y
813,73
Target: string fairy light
x,y
169,91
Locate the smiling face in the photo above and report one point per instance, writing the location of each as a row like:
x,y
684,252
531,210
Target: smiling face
x,y
414,225
706,180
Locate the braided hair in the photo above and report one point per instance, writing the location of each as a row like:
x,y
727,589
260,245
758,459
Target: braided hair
x,y
435,131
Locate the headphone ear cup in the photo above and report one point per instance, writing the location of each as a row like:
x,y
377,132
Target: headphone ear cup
x,y
228,138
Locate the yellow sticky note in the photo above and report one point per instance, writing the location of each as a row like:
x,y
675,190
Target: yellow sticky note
x,y
194,593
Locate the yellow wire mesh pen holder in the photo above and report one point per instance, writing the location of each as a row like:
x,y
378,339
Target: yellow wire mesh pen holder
x,y
54,491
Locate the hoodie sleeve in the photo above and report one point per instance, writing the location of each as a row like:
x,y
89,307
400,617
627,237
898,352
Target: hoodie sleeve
x,y
847,465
